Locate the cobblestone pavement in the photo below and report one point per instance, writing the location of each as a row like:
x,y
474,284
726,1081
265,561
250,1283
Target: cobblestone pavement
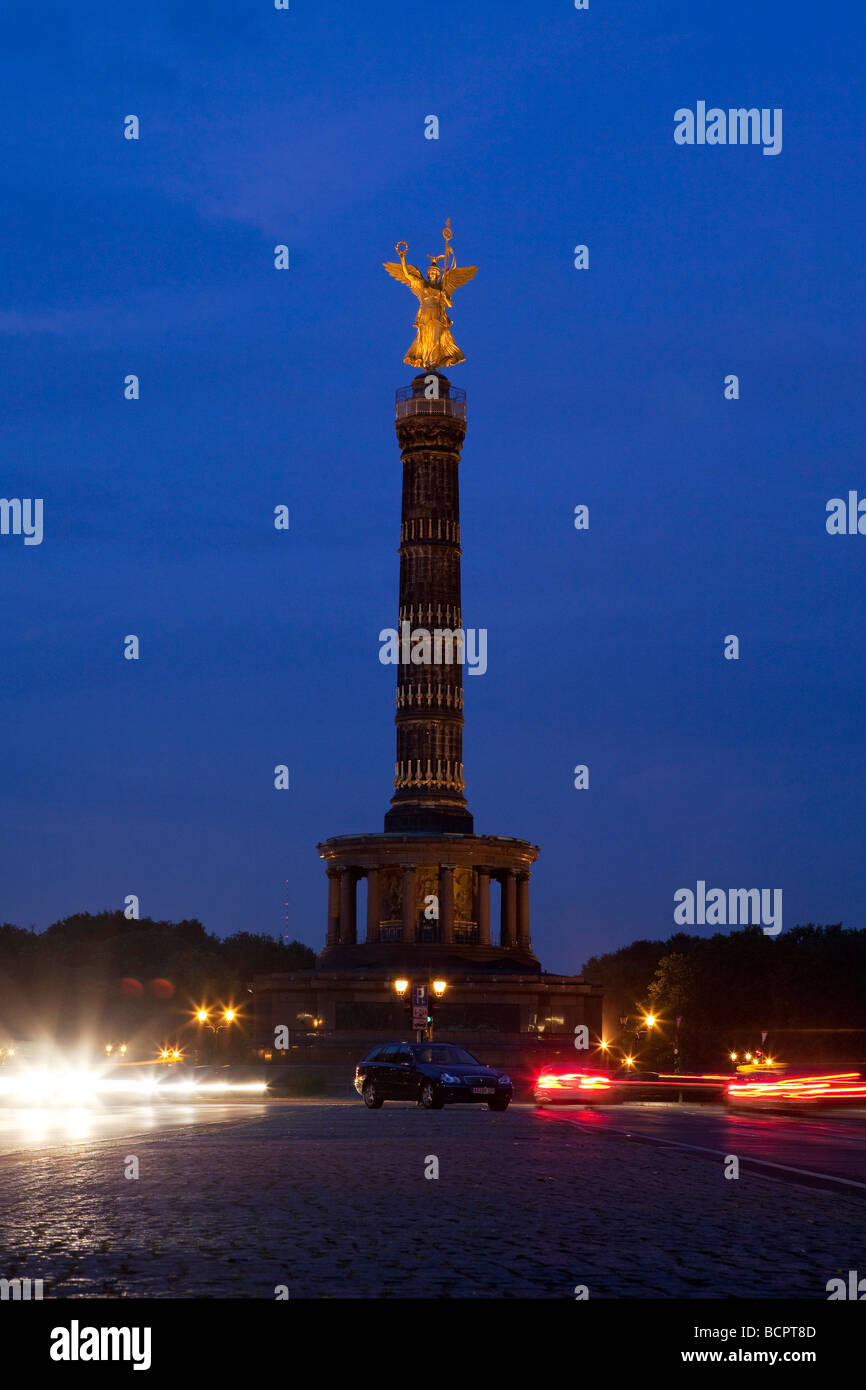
x,y
331,1200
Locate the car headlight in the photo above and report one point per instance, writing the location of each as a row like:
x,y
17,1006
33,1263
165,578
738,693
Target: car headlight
x,y
503,1080
450,1080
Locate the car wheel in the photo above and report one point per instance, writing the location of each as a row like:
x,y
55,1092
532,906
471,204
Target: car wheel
x,y
500,1103
372,1099
430,1097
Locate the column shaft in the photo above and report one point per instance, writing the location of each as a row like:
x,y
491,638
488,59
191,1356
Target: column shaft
x,y
333,935
523,911
446,902
508,916
409,914
482,906
348,924
372,904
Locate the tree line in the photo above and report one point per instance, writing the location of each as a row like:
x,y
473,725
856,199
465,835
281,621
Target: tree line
x,y
804,989
102,975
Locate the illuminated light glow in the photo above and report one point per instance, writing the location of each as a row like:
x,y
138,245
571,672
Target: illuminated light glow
x,y
401,986
650,1020
440,986
550,1081
229,1015
79,1089
799,1088
201,1015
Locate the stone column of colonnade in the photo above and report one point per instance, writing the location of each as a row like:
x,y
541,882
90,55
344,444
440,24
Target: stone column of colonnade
x,y
514,910
523,911
514,927
409,923
373,905
333,935
348,915
482,905
446,903
508,909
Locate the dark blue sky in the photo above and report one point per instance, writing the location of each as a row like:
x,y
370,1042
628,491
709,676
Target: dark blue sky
x,y
262,387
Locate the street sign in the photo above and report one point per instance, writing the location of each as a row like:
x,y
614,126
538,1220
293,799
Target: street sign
x,y
419,1006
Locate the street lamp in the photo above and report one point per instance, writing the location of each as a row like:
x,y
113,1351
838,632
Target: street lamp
x,y
203,1017
229,1016
438,987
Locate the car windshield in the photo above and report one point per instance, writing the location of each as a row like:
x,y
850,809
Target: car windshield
x,y
445,1055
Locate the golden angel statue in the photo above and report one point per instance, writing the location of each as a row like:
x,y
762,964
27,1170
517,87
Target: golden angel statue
x,y
433,345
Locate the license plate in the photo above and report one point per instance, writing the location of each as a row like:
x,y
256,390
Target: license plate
x,y
483,1090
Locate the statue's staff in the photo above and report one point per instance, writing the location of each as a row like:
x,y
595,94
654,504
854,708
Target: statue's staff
x,y
447,234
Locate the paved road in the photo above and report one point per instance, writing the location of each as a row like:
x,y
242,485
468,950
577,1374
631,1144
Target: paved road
x,y
26,1127
330,1200
827,1151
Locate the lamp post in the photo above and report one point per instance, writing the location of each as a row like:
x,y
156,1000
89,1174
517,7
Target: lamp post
x,y
229,1016
438,988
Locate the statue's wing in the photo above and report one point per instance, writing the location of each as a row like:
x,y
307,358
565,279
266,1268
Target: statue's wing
x,y
413,277
458,275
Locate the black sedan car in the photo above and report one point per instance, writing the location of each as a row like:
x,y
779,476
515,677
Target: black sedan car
x,y
432,1074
